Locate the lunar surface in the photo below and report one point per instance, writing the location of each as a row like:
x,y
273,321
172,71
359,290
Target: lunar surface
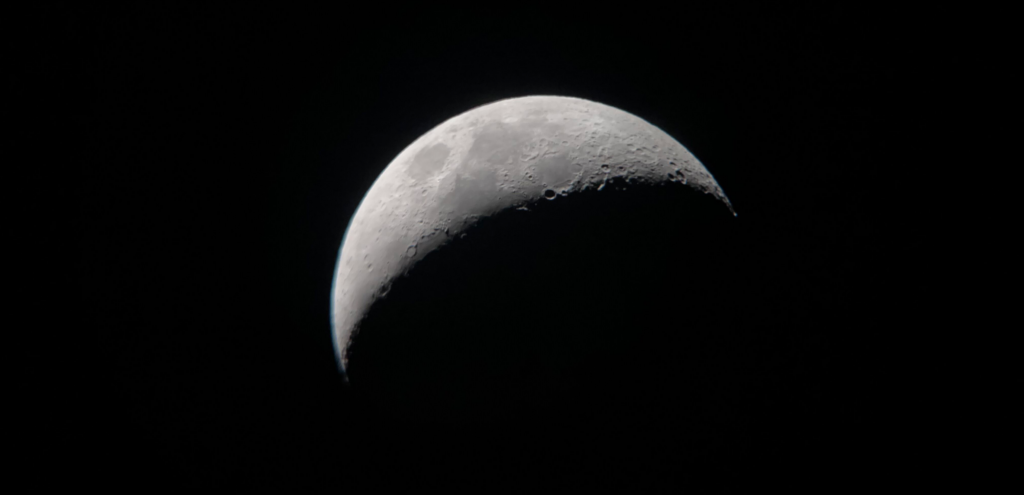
x,y
506,155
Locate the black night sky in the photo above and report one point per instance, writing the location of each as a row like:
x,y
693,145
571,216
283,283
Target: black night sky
x,y
229,146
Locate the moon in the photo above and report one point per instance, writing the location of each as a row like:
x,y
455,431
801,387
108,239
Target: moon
x,y
510,154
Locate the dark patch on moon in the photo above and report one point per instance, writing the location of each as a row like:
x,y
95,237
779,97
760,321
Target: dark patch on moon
x,y
557,171
429,161
494,144
473,190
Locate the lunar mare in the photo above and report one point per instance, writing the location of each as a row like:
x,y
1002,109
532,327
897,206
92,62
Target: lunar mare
x,y
507,154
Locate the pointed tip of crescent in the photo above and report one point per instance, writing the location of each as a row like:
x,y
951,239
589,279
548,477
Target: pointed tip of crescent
x,y
729,205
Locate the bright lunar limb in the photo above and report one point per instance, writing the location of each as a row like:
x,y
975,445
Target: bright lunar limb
x,y
507,154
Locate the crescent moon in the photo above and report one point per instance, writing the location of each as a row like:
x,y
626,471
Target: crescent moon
x,y
508,154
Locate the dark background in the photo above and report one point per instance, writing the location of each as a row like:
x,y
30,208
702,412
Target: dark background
x,y
229,146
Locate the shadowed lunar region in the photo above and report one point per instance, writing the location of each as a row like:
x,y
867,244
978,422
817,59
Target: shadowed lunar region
x,y
572,274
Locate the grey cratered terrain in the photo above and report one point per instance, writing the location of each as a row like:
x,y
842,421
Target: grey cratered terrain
x,y
507,154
